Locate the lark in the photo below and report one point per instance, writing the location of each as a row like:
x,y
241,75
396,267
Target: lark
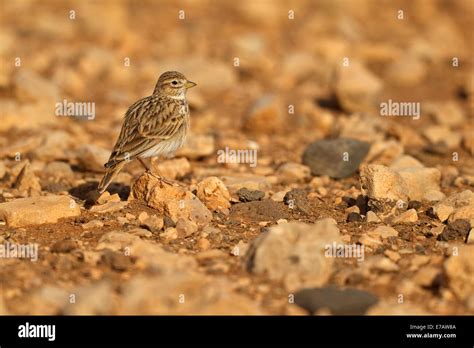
x,y
154,126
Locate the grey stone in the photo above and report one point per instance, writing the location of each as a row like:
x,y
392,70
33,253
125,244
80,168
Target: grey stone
x,y
340,302
327,157
246,195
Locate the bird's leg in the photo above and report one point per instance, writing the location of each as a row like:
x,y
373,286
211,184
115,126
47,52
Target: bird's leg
x,y
144,165
157,175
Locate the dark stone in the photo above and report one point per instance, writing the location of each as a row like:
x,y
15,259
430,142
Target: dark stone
x,y
246,195
354,217
168,222
362,203
456,230
340,302
431,213
298,199
326,157
349,201
414,205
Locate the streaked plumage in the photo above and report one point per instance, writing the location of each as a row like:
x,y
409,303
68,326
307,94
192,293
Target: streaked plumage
x,y
154,126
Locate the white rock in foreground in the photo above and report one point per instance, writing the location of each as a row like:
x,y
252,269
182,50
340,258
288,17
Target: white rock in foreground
x,y
415,183
294,253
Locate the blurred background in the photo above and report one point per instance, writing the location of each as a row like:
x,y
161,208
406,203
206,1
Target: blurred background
x,y
243,55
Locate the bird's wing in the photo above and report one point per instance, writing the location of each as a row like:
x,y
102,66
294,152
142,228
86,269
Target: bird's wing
x,y
147,122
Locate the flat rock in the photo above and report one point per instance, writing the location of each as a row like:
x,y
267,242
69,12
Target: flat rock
x,y
109,207
414,183
38,210
337,158
338,301
246,195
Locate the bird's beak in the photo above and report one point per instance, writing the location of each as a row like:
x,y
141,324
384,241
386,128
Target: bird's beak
x,y
190,84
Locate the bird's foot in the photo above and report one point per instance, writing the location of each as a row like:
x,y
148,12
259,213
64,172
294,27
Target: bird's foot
x,y
164,180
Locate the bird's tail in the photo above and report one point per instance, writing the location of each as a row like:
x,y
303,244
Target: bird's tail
x,y
109,175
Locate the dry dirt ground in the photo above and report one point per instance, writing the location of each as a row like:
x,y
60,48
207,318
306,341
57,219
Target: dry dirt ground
x,y
273,77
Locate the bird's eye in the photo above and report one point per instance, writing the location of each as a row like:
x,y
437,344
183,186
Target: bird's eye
x,y
174,83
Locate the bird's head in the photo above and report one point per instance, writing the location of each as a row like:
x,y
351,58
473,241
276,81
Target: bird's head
x,y
173,84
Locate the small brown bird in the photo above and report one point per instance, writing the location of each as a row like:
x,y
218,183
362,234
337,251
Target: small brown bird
x,y
153,126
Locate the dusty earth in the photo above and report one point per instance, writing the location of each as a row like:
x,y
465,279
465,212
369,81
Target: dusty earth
x,y
275,79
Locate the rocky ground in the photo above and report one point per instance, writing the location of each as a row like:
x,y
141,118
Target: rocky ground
x,y
299,85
